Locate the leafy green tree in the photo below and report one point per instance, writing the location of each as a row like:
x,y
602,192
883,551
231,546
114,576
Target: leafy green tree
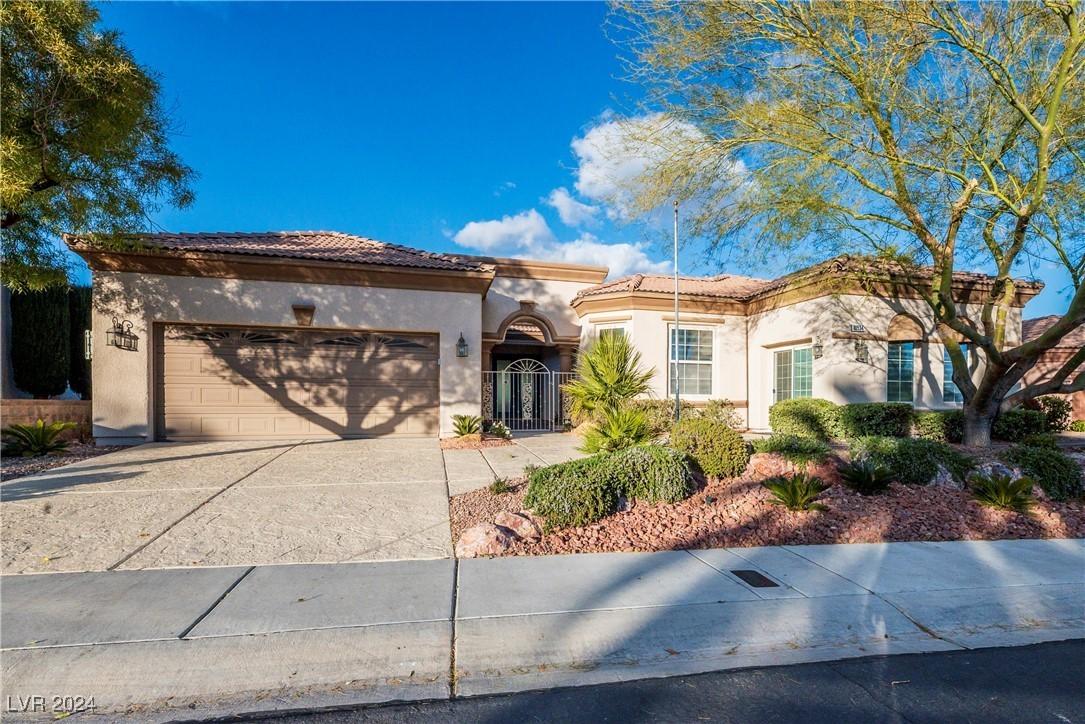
x,y
83,142
39,341
79,301
931,132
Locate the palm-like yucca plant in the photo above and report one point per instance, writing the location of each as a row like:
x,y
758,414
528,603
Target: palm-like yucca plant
x,y
618,429
797,492
466,425
865,476
1002,491
608,374
38,439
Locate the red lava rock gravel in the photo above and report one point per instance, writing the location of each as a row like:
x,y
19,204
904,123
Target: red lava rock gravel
x,y
740,514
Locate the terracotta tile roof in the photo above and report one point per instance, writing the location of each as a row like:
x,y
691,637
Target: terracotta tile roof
x,y
727,286
1033,328
330,246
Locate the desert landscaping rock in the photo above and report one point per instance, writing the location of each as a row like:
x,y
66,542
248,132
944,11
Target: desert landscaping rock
x,y
519,524
484,539
771,465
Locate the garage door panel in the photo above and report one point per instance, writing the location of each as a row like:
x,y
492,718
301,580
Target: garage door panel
x,y
222,382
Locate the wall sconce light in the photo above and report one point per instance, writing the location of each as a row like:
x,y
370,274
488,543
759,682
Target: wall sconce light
x,y
303,314
818,348
121,336
461,346
862,352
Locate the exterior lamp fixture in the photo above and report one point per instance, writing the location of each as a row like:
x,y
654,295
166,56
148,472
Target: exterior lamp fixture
x,y
862,352
818,348
303,314
121,336
461,346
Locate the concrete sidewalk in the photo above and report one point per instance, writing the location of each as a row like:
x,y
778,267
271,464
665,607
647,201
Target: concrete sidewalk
x,y
230,640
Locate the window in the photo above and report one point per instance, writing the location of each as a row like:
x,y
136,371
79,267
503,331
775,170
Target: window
x,y
901,370
950,392
691,361
794,376
611,332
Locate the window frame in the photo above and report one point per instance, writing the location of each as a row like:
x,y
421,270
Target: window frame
x,y
890,382
792,377
672,364
611,327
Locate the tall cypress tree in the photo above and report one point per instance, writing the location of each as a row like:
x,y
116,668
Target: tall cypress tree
x,y
40,341
79,319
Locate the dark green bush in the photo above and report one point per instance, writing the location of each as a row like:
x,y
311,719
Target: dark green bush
x,y
79,300
1057,412
1041,439
616,429
806,417
1014,425
941,425
39,341
865,476
652,473
884,419
582,491
912,461
796,492
36,439
717,449
1057,474
1001,491
794,449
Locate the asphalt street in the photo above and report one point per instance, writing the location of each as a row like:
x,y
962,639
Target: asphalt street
x,y
1039,683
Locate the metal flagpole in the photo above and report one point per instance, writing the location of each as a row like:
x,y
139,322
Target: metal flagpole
x,y
674,339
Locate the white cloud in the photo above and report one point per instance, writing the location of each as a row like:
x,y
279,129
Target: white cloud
x,y
573,213
527,235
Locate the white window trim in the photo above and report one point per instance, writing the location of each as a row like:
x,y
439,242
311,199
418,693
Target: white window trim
x,y
711,328
600,326
788,347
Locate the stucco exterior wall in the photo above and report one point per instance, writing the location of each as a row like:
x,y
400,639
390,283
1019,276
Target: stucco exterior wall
x,y
123,381
551,301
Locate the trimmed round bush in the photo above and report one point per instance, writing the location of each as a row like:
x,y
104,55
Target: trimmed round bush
x,y
806,417
573,493
718,450
794,449
941,426
912,461
652,473
1014,425
1056,473
884,419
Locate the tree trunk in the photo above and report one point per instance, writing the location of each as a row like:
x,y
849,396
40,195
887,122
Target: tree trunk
x,y
977,425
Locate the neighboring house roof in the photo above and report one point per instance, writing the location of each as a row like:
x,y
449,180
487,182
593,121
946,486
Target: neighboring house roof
x,y
1033,328
726,286
329,246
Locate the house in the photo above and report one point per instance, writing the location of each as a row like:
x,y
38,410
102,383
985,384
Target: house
x,y
324,334
1056,357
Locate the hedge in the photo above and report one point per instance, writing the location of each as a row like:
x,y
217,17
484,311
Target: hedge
x,y
913,461
79,300
941,425
1014,425
1057,474
794,449
718,450
40,341
806,417
884,419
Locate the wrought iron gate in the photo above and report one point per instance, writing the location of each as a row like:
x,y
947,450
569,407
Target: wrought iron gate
x,y
525,396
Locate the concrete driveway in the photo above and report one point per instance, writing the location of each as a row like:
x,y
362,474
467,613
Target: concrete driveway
x,y
230,503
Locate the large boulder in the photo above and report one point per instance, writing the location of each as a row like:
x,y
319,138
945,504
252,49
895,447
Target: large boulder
x,y
484,539
519,525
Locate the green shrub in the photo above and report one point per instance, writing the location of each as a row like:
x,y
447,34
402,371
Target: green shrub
x,y
941,425
1057,412
574,493
1077,426
466,425
794,449
717,449
617,429
912,461
1041,439
660,414
608,375
497,429
804,416
797,492
500,486
865,476
1014,425
40,341
1056,473
722,411
884,419
1002,491
652,473
37,439
582,491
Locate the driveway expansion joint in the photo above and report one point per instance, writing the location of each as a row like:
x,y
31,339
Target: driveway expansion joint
x,y
216,603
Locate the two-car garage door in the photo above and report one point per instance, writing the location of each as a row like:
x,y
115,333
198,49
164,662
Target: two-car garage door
x,y
237,383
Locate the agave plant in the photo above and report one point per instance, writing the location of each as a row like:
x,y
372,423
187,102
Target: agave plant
x,y
1002,491
796,492
865,476
38,439
608,375
466,425
618,429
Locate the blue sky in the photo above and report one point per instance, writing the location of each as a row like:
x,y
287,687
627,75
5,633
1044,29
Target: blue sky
x,y
467,127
